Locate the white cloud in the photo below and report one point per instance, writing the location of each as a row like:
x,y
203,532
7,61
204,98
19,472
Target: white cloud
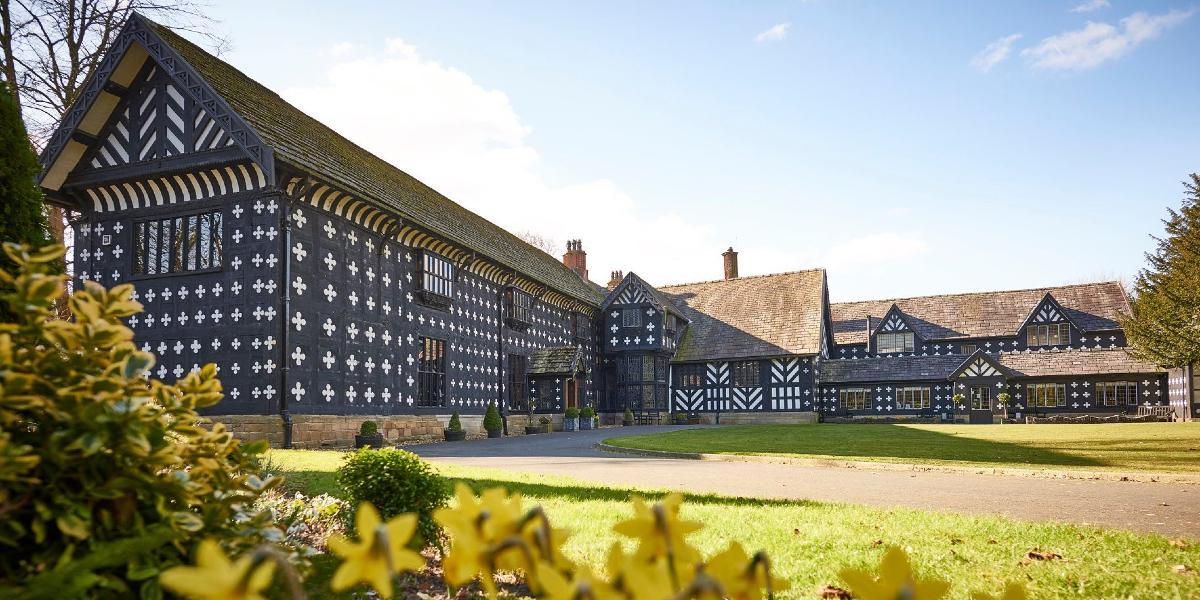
x,y
1097,43
874,249
468,142
774,34
994,53
342,49
1089,6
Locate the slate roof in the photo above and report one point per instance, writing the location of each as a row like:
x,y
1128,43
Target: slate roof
x,y
1091,306
656,296
895,368
760,316
562,360
1109,361
313,147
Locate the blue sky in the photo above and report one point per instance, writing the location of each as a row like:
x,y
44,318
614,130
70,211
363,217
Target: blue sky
x,y
909,148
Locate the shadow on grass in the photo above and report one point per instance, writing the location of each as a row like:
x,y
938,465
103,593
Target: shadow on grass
x,y
879,441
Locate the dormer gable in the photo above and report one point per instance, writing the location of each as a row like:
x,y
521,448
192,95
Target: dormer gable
x,y
1048,324
978,365
894,320
894,334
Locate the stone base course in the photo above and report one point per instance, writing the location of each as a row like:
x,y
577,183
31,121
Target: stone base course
x,y
336,431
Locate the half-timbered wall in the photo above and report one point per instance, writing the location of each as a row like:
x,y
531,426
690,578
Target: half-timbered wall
x,y
782,384
357,319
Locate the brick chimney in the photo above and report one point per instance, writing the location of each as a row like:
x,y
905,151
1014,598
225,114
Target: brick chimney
x,y
615,279
576,259
730,263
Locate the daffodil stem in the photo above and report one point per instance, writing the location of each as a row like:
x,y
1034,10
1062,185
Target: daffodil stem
x,y
291,578
660,521
762,560
701,586
508,544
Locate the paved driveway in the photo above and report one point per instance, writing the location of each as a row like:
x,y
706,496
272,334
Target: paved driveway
x,y
1169,509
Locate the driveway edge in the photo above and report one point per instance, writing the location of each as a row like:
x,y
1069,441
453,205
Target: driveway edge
x,y
885,466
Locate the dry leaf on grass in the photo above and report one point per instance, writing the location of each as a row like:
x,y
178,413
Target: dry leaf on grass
x,y
1181,544
1038,554
1183,570
835,593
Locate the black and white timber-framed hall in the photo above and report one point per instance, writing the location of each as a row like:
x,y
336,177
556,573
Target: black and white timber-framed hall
x,y
327,284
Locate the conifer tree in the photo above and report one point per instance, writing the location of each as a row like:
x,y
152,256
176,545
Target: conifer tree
x,y
1164,325
22,214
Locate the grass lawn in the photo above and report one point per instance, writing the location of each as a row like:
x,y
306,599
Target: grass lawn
x,y
810,541
1171,447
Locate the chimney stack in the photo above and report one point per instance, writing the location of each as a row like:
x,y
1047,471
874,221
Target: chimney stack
x,y
576,259
730,263
615,279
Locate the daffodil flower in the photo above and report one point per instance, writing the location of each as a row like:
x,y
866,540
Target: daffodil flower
x,y
215,577
485,532
639,579
581,584
895,581
380,552
742,578
660,532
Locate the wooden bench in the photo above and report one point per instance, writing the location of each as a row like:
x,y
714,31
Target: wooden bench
x,y
647,417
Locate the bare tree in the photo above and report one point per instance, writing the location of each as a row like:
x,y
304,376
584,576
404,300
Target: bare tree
x,y
544,243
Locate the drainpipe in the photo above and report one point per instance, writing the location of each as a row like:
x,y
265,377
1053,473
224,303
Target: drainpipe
x,y
500,404
285,240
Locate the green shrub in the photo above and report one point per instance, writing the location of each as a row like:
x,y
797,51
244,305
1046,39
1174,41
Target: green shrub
x,y
368,428
491,418
544,421
680,417
395,481
107,475
572,413
455,422
628,416
587,412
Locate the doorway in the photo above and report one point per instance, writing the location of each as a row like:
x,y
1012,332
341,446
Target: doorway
x,y
571,393
981,404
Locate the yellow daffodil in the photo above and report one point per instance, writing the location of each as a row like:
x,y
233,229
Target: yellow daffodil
x,y
380,553
895,581
582,583
216,577
640,579
741,579
485,537
659,530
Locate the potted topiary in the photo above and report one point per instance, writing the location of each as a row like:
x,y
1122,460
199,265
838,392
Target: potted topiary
x,y
587,418
454,431
680,418
544,425
368,435
627,418
571,419
491,421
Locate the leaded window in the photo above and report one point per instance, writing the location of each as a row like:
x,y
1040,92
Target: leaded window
x,y
888,343
437,275
631,317
745,373
519,306
178,244
1053,334
518,399
689,376
1116,393
431,372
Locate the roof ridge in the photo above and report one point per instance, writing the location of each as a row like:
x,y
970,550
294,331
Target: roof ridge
x,y
981,292
765,275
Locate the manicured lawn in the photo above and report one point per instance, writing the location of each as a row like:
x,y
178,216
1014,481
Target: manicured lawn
x,y
1121,446
809,541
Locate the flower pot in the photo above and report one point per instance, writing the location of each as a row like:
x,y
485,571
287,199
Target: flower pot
x,y
495,433
455,436
534,429
365,441
585,424
570,424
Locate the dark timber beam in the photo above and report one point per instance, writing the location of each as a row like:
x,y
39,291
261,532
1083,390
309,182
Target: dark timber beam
x,y
115,88
158,168
84,138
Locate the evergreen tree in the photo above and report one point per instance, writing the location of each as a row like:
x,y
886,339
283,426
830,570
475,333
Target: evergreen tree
x,y
1164,326
22,215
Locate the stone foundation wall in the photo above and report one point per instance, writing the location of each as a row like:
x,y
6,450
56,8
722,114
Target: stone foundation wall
x,y
757,418
334,431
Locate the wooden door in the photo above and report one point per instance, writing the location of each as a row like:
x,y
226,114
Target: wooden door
x,y
571,393
980,404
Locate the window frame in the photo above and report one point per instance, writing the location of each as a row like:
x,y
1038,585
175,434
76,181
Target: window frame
x,y
912,398
690,376
518,306
746,374
1037,396
907,340
853,398
968,348
443,281
1042,334
431,371
518,382
140,244
626,321
1116,391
